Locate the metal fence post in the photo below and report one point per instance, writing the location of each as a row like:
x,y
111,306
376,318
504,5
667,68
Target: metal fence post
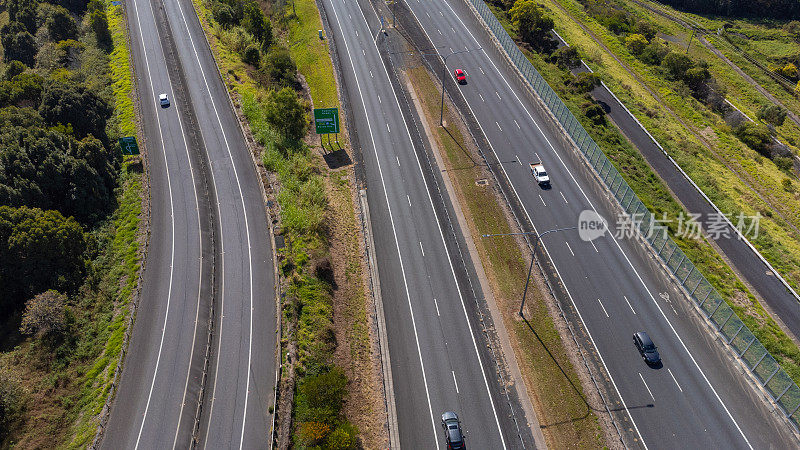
x,y
777,369
706,297
691,294
726,321
687,275
794,410
747,347
761,359
721,301
736,334
679,264
784,391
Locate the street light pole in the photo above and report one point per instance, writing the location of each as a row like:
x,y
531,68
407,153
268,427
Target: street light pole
x,y
537,237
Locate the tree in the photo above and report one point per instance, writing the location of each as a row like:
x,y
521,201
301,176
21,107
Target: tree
x,y
676,64
280,67
755,136
636,43
532,25
772,114
654,53
72,103
286,113
320,397
23,12
45,315
646,29
257,24
223,14
696,78
41,250
13,69
24,89
98,20
60,25
12,401
567,57
18,45
252,55
595,112
585,82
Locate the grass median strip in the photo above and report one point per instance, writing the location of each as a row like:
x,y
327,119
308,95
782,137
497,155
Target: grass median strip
x,y
326,340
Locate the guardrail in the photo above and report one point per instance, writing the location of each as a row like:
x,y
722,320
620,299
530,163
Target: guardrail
x,y
775,381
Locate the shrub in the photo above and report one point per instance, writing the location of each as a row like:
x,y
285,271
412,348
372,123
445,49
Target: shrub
x,y
280,67
789,71
60,25
566,57
636,43
595,112
676,64
787,185
585,82
531,23
772,114
286,113
12,402
784,163
45,315
320,397
654,53
252,55
646,29
755,136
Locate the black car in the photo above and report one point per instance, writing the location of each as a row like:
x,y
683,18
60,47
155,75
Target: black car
x,y
452,431
646,348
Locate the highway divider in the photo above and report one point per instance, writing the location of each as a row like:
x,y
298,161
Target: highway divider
x,y
782,390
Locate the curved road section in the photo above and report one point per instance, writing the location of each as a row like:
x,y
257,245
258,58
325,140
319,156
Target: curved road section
x,y
209,247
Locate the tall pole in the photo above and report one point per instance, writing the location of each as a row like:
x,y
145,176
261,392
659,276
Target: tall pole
x,y
537,238
444,73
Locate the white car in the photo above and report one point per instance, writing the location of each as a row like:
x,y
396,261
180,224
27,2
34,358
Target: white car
x,y
163,100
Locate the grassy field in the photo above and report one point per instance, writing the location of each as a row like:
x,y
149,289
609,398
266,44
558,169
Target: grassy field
x,y
657,198
553,384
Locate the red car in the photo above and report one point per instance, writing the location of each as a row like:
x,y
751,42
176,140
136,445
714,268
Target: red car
x,y
461,77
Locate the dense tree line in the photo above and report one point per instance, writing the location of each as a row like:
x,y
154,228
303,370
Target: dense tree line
x,y
59,162
782,9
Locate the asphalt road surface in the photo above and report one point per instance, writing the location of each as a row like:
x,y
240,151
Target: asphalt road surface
x,y
781,302
210,239
696,399
438,356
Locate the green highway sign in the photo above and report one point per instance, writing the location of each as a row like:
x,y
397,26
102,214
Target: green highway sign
x,y
128,145
326,120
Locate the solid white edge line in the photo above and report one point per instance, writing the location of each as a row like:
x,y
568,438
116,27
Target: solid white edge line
x,y
572,300
172,221
716,395
247,231
391,219
449,260
675,380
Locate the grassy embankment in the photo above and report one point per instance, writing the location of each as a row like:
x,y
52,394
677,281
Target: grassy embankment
x,y
775,242
554,387
715,170
321,264
66,395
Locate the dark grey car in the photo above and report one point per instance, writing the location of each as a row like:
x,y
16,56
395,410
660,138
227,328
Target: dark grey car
x,y
646,348
452,431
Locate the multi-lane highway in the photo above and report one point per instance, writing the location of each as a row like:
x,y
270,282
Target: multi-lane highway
x,y
210,242
696,399
438,355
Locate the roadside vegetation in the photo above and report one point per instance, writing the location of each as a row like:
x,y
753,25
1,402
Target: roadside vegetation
x,y
574,90
70,210
276,67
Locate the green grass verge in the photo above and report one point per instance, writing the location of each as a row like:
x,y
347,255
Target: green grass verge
x,y
559,400
655,195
